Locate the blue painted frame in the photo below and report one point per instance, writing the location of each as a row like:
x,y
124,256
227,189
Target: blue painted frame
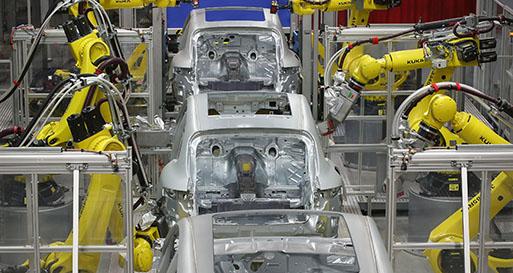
x,y
176,16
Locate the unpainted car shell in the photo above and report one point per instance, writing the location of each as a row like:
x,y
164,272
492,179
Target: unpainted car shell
x,y
196,249
197,23
183,64
195,121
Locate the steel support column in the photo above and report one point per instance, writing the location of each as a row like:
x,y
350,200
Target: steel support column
x,y
43,8
484,220
76,218
391,206
29,12
127,18
466,224
315,72
306,55
156,72
330,19
35,221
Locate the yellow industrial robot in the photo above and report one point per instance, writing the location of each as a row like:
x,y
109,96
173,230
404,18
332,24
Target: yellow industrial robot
x,y
359,16
443,57
360,9
427,117
88,124
442,109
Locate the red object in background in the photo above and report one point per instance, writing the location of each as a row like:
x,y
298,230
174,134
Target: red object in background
x,y
411,11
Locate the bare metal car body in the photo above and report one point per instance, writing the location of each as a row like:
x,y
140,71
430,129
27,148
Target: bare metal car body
x,y
234,53
248,150
277,241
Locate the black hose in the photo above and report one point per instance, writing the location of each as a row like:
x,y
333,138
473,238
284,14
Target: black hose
x,y
20,78
100,102
456,87
483,96
48,98
501,19
141,173
108,65
82,8
140,201
54,5
420,27
136,158
374,40
32,123
89,97
10,131
27,64
114,62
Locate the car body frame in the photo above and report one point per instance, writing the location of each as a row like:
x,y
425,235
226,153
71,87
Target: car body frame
x,y
234,53
248,150
277,241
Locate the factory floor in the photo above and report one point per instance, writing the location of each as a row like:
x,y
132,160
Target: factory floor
x,y
404,262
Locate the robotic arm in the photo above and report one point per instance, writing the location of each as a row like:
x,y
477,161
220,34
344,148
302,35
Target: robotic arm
x,y
442,56
87,49
360,9
363,70
359,15
442,109
89,123
440,53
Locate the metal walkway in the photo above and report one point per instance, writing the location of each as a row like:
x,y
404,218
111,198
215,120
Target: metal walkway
x,y
350,204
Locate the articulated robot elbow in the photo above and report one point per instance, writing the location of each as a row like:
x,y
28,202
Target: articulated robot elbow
x,y
441,110
366,68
